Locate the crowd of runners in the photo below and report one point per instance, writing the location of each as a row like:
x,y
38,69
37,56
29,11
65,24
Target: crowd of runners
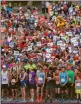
x,y
41,53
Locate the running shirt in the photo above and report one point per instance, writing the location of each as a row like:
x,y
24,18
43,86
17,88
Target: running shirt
x,y
41,76
71,75
4,77
50,75
63,77
57,78
32,76
24,80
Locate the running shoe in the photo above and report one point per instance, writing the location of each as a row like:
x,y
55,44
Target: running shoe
x,y
2,99
40,99
22,100
37,100
31,100
51,101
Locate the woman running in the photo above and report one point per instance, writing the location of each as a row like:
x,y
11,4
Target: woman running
x,y
23,81
40,76
32,83
14,84
49,84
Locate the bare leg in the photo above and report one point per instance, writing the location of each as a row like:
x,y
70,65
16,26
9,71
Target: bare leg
x,y
13,93
38,91
2,93
24,93
16,92
32,93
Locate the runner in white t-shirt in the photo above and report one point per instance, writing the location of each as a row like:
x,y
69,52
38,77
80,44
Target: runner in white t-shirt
x,y
4,81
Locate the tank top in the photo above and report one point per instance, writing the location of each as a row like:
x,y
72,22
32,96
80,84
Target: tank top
x,y
63,78
32,75
50,75
41,77
4,77
24,80
57,78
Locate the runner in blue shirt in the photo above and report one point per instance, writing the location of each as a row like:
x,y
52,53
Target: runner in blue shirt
x,y
63,76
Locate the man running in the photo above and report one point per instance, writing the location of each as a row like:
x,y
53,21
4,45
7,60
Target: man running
x,y
4,81
63,81
40,83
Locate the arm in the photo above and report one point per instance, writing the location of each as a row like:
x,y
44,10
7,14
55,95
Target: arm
x,y
8,78
53,75
44,78
59,79
23,76
36,78
17,75
20,76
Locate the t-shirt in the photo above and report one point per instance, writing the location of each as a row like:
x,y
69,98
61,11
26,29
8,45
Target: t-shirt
x,y
71,76
32,76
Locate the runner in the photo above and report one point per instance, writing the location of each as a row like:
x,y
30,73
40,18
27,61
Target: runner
x,y
78,91
70,84
49,84
23,81
14,85
4,82
63,82
40,77
32,83
57,84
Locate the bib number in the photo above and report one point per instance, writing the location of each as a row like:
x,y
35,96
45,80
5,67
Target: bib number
x,y
4,79
62,80
78,84
30,77
40,79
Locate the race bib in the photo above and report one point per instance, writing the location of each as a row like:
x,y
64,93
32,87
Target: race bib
x,y
11,44
78,84
75,43
39,44
40,79
48,55
59,43
30,77
62,80
29,48
16,53
4,79
69,33
73,40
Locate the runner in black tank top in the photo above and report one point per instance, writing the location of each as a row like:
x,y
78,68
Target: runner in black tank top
x,y
49,84
14,84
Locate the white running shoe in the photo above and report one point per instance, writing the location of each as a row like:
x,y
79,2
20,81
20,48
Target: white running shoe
x,y
2,99
31,100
